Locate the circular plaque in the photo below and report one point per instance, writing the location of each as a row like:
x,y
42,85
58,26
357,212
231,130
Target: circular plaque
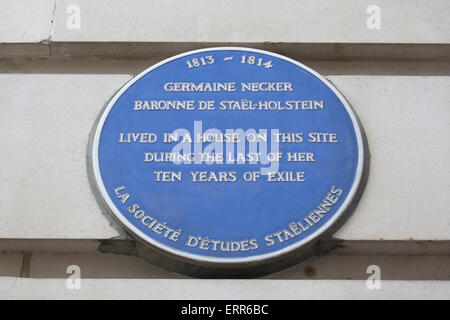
x,y
229,159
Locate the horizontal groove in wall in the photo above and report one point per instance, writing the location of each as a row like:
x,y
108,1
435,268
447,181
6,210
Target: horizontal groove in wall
x,y
108,66
308,51
334,266
125,247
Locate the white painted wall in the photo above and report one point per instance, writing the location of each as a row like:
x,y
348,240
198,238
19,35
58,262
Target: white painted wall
x,y
54,81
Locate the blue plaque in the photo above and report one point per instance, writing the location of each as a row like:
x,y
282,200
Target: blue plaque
x,y
229,158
